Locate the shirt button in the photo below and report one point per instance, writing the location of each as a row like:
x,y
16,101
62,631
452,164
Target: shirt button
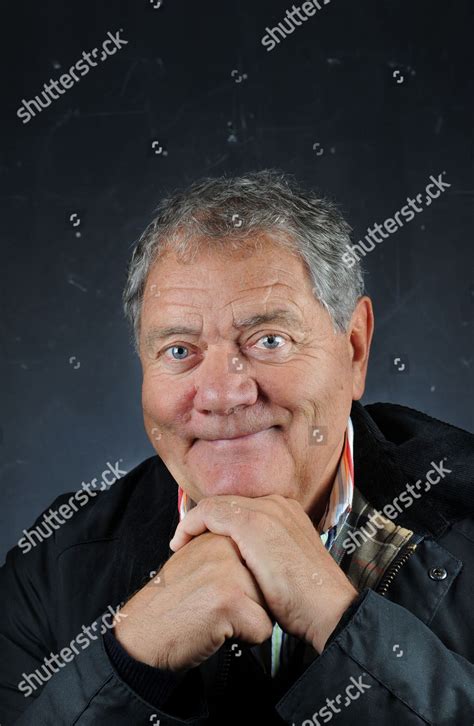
x,y
437,573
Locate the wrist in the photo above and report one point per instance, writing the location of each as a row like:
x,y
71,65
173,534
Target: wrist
x,y
139,640
325,623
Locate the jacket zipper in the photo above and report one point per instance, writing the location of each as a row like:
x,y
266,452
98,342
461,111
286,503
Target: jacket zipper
x,y
226,658
388,577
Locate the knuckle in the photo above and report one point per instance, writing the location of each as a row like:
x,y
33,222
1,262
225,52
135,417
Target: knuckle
x,y
277,499
224,546
204,504
264,630
226,599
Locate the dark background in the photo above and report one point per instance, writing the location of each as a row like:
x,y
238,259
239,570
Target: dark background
x,y
331,82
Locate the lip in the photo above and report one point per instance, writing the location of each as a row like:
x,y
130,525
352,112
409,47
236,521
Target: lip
x,y
236,440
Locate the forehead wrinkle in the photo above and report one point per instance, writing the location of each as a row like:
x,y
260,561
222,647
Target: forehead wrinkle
x,y
279,300
240,308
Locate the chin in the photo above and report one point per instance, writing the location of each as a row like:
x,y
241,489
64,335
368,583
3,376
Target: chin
x,y
253,466
242,480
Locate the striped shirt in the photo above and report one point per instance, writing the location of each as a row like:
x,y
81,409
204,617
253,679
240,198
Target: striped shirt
x,y
337,510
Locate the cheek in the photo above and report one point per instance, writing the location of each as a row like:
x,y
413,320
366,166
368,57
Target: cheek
x,y
164,401
316,393
148,394
329,375
300,386
156,400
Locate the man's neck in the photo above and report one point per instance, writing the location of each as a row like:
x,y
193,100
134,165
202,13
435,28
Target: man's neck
x,y
318,505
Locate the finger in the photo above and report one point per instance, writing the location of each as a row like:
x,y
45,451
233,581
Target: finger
x,y
184,535
176,545
191,526
181,535
209,518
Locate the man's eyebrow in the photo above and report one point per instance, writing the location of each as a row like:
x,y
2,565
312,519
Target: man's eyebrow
x,y
155,333
281,315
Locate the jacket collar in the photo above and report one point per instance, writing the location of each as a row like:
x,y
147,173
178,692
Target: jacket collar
x,y
383,466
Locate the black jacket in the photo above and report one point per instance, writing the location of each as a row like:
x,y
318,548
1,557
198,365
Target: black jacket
x,y
408,656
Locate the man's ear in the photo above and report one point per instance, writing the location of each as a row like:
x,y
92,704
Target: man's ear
x,y
360,332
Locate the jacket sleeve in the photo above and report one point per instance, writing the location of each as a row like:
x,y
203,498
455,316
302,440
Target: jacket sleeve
x,y
158,687
84,691
382,665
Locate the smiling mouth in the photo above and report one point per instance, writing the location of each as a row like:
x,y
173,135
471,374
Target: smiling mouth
x,y
236,440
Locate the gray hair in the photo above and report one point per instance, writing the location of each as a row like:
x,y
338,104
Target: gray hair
x,y
225,212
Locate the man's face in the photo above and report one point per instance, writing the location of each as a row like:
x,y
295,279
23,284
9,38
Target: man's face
x,y
285,380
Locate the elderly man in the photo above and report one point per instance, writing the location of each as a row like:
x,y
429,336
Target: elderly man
x,y
288,556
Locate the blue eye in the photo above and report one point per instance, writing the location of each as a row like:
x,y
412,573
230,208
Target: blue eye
x,y
179,348
273,338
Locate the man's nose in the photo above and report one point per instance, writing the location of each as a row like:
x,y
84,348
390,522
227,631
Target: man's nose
x,y
223,382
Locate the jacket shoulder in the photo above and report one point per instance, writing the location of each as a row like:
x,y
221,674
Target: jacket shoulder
x,y
403,422
95,515
416,442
